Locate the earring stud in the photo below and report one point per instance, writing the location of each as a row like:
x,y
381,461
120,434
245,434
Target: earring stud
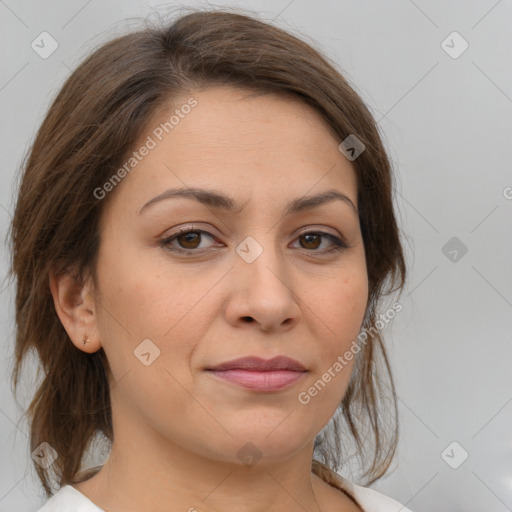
x,y
85,339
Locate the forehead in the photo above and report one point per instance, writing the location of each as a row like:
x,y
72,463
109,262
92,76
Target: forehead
x,y
241,141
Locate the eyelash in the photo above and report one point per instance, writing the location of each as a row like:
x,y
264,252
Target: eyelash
x,y
338,244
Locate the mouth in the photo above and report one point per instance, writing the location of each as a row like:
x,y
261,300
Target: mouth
x,y
259,374
253,363
259,380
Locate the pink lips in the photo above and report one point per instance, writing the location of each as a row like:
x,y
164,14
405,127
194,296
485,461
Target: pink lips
x,y
260,374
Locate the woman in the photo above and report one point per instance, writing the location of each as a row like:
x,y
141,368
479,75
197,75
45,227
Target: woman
x,y
203,233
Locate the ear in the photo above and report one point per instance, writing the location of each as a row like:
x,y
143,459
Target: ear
x,y
76,308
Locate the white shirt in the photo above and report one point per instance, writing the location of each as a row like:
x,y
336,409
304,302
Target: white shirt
x,y
69,499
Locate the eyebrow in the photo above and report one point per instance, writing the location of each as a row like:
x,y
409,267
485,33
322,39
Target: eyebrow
x,y
218,200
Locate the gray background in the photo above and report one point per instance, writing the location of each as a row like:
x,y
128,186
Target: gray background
x,y
447,123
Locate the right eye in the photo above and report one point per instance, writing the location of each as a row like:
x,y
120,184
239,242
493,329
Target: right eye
x,y
189,240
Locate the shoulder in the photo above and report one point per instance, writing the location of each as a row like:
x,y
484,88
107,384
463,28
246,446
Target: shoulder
x,y
371,500
69,499
374,501
368,499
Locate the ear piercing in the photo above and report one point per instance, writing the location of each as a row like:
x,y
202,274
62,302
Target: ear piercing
x,y
85,339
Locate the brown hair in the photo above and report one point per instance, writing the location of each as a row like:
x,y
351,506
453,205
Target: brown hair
x,y
93,123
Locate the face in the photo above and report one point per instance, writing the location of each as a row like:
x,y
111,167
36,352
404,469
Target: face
x,y
209,281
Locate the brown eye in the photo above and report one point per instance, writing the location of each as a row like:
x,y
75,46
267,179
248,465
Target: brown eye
x,y
187,241
311,240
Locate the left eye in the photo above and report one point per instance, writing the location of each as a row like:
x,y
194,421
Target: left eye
x,y
314,237
190,240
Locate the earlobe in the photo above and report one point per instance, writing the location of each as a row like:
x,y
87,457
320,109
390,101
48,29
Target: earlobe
x,y
75,310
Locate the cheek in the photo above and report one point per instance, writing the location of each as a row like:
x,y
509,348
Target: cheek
x,y
147,301
349,304
341,304
147,298
340,308
141,302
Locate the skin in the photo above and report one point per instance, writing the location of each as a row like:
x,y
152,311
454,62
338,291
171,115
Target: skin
x,y
177,428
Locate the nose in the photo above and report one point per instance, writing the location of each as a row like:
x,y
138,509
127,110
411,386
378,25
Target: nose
x,y
262,293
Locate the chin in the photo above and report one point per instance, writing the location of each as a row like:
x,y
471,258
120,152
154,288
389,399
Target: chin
x,y
270,446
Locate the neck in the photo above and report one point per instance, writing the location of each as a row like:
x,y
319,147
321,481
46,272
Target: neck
x,y
146,471
136,484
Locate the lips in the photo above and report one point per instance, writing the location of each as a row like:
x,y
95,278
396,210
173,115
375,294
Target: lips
x,y
261,365
259,374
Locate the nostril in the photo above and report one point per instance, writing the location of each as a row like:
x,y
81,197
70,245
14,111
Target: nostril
x,y
248,319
